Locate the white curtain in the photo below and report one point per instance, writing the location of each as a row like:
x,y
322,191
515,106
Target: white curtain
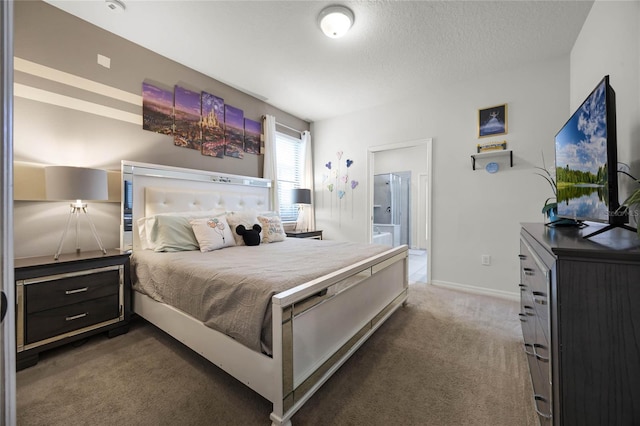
x,y
307,179
270,168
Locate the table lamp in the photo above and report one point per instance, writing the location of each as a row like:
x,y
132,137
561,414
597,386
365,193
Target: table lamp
x,y
76,183
301,196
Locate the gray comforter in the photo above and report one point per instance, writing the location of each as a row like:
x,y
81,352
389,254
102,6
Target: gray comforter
x,y
230,289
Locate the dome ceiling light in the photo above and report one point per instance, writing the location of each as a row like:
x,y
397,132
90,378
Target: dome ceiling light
x,y
115,6
335,21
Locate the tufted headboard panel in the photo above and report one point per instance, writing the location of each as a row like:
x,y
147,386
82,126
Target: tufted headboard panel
x,y
166,200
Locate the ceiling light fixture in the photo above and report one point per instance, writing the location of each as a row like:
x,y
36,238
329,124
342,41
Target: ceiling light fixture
x,y
115,5
335,21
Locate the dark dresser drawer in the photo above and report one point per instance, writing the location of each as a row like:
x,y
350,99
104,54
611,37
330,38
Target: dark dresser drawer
x,y
67,289
53,322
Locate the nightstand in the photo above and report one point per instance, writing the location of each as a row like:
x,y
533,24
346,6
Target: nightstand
x,y
305,234
58,302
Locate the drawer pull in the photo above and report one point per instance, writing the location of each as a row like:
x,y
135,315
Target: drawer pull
x,y
522,256
537,355
531,314
75,317
528,271
537,398
526,345
523,317
77,290
523,287
541,299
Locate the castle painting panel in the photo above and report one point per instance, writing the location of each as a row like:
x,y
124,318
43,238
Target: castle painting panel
x,y
213,141
157,109
187,119
252,132
234,132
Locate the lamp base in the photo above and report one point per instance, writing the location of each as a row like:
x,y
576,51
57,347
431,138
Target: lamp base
x,y
76,208
301,222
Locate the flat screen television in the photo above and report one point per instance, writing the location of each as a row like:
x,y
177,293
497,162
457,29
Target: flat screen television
x,y
586,161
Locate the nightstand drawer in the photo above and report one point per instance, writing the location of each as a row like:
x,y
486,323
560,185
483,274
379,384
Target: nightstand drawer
x,y
53,322
65,289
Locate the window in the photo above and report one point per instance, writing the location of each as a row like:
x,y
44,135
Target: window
x,y
290,163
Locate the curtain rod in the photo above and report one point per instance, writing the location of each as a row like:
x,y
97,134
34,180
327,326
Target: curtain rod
x,y
287,127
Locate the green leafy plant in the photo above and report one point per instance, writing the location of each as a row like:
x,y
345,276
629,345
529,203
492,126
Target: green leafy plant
x,y
549,204
632,201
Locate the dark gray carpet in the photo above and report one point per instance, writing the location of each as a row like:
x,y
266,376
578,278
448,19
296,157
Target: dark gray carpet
x,y
447,358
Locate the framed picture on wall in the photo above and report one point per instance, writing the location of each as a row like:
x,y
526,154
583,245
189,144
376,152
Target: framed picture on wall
x,y
492,121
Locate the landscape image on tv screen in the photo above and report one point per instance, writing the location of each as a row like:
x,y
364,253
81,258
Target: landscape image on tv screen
x,y
581,161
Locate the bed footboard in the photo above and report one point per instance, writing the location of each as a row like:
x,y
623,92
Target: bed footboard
x,y
315,338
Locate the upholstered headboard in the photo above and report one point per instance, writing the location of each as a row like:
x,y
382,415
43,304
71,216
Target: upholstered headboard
x,y
150,189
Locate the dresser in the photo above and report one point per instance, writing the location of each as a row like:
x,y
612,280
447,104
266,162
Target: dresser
x,y
580,317
62,301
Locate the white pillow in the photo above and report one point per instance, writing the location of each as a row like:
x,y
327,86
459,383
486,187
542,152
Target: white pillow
x,y
272,230
212,233
246,218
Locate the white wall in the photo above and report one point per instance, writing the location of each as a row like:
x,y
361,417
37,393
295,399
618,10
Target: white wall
x,y
474,212
609,43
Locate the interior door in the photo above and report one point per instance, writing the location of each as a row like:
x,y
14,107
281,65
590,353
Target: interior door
x,y
7,327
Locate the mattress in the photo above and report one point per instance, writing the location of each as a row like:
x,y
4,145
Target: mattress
x,y
230,289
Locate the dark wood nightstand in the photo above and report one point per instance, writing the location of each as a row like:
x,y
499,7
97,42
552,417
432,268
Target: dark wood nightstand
x,y
305,234
62,301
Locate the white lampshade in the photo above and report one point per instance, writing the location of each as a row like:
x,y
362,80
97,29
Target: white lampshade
x,y
75,183
335,21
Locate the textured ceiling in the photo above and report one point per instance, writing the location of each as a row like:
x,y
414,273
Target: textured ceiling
x,y
274,50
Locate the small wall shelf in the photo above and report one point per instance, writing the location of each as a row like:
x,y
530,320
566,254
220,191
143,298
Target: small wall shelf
x,y
501,153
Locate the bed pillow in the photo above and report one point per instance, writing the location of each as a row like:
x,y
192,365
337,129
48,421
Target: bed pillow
x,y
170,231
246,218
272,230
212,233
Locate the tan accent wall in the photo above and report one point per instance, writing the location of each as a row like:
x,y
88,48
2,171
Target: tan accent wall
x,y
69,110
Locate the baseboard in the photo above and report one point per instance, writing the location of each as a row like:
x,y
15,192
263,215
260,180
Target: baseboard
x,y
478,290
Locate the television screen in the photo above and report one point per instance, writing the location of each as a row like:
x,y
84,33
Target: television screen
x,y
586,160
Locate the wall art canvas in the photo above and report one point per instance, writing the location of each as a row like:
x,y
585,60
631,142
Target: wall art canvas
x,y
212,125
492,121
187,131
234,132
252,132
157,109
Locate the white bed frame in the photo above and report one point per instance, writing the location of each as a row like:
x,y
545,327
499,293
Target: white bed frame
x,y
312,336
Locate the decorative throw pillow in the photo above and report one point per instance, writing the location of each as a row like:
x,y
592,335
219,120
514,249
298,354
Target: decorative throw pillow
x,y
212,233
272,230
246,218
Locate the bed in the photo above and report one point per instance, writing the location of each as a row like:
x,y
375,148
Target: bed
x,y
292,322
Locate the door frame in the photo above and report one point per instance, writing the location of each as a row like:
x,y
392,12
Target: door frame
x,y
427,143
7,328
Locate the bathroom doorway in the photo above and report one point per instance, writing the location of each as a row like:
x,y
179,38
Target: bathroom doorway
x,y
400,201
392,208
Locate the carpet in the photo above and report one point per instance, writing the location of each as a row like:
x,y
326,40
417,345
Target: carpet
x,y
447,358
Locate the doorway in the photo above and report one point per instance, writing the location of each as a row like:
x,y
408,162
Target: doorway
x,y
392,208
399,208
